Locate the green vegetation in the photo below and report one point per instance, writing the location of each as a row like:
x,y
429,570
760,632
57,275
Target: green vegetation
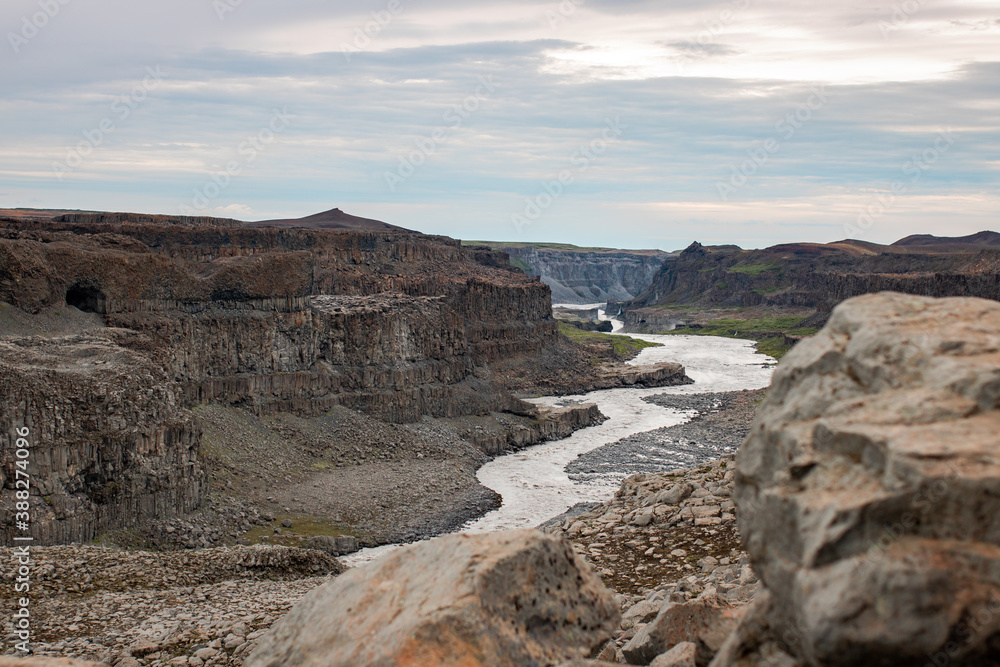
x,y
519,263
722,285
306,526
767,290
754,269
624,346
769,332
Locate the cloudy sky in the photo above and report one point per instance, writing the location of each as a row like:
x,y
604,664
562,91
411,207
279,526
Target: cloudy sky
x,y
620,123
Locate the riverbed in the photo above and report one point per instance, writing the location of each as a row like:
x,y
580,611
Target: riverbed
x,y
534,483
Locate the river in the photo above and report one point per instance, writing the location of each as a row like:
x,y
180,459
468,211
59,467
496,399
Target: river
x,y
533,482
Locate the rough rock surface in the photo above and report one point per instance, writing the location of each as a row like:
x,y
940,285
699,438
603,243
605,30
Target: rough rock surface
x,y
498,599
674,560
868,489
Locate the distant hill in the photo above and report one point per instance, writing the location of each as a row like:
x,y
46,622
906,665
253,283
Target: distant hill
x,y
333,219
946,243
820,275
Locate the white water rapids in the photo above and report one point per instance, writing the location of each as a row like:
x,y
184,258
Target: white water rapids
x,y
533,482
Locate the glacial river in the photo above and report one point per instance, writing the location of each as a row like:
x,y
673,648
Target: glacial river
x,y
533,482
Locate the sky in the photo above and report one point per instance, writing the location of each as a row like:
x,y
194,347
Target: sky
x,y
618,123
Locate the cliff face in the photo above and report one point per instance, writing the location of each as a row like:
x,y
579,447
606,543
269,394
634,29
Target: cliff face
x,y
590,276
270,320
816,276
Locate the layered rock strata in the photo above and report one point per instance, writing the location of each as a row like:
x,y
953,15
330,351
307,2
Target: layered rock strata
x,y
399,326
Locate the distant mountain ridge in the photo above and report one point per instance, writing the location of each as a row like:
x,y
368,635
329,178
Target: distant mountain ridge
x,y
819,275
984,238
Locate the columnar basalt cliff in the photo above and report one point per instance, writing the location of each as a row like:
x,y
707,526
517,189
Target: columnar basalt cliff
x,y
587,275
290,320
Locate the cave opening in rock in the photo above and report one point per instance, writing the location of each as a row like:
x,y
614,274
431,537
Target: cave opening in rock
x,y
85,297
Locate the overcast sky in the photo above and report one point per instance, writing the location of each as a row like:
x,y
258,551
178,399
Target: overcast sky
x,y
619,123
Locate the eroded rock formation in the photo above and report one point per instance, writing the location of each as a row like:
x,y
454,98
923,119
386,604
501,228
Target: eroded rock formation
x,y
867,490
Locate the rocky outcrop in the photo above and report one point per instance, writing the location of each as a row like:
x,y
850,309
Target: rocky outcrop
x,y
583,275
667,543
868,491
498,599
107,439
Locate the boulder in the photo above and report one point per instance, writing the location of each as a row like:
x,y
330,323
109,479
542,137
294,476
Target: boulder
x,y
703,623
869,487
498,599
682,655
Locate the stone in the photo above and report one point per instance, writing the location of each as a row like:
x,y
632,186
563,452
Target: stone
x,y
681,655
869,488
346,544
497,599
40,661
643,611
286,523
705,624
674,494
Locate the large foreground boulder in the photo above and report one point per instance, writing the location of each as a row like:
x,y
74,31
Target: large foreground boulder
x,y
515,599
869,489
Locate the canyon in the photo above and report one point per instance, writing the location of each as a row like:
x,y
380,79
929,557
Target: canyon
x,y
126,337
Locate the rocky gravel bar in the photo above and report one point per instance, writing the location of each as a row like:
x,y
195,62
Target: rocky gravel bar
x,y
719,424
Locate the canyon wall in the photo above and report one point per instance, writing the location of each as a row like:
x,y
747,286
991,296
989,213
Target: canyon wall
x,y
582,275
397,325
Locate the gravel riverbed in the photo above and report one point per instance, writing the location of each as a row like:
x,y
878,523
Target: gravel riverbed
x,y
718,425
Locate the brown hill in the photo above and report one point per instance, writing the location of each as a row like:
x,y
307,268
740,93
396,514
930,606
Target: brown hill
x,y
954,244
333,219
